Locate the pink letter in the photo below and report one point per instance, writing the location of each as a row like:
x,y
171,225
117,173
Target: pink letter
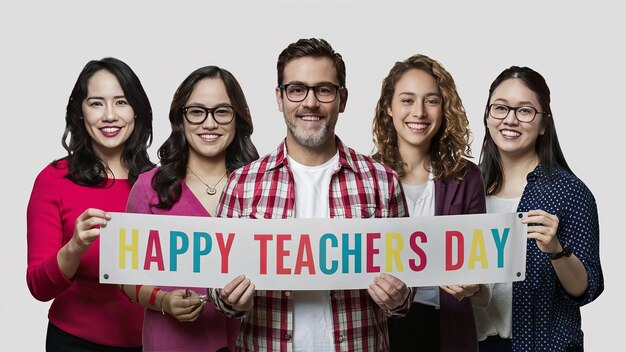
x,y
304,248
370,251
450,235
224,249
281,253
154,243
420,252
264,238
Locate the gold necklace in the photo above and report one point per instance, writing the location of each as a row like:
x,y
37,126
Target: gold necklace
x,y
209,190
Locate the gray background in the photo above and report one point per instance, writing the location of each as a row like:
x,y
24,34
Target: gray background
x,y
577,45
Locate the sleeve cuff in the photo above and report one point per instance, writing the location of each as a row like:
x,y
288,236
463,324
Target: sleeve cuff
x,y
403,309
222,306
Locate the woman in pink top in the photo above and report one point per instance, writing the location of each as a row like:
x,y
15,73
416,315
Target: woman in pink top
x,y
109,127
211,128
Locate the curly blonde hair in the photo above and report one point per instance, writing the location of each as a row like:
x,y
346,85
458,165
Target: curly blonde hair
x,y
449,147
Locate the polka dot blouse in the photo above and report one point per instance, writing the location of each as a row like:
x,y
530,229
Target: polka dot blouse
x,y
545,317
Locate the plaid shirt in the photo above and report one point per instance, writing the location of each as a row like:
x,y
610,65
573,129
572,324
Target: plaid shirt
x,y
359,188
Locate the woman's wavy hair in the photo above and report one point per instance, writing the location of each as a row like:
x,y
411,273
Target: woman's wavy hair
x,y
547,145
174,153
449,147
83,165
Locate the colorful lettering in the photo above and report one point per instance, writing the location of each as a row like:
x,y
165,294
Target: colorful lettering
x,y
323,263
175,251
199,237
263,238
133,248
154,253
371,250
450,237
346,252
304,250
500,243
393,253
418,250
281,253
478,244
224,249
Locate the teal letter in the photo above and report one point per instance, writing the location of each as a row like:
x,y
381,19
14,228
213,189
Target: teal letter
x,y
346,252
333,243
174,250
197,236
500,243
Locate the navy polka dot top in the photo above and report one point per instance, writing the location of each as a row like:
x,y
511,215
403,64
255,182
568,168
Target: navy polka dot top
x,y
545,317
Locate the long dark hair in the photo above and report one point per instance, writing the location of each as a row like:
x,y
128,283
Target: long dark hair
x,y
83,165
547,145
449,147
174,153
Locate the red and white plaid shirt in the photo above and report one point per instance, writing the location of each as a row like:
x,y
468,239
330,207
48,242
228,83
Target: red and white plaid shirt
x,y
359,188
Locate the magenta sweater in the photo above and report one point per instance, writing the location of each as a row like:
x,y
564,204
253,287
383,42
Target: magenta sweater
x,y
83,307
212,330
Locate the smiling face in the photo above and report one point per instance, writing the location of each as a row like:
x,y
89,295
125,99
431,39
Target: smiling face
x,y
512,137
416,110
209,139
310,123
109,119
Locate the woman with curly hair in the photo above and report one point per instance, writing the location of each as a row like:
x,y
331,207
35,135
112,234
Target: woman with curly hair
x,y
421,131
211,129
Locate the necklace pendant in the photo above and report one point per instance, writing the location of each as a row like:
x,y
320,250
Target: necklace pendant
x,y
211,191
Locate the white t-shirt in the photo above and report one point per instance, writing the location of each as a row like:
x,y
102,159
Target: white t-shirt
x,y
312,315
421,202
496,318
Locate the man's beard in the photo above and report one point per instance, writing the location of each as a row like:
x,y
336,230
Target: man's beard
x,y
311,138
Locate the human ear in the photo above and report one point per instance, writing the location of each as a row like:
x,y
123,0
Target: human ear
x,y
279,99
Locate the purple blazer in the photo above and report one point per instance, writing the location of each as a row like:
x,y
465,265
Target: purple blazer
x,y
457,330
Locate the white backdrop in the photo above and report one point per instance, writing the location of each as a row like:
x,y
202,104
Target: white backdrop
x,y
577,45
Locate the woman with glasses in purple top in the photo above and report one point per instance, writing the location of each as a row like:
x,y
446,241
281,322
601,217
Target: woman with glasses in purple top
x,y
211,128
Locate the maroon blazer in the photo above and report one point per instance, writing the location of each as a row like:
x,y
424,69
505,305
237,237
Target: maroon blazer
x,y
457,330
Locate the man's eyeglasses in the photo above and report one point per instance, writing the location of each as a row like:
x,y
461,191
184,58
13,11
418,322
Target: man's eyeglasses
x,y
522,113
196,115
297,92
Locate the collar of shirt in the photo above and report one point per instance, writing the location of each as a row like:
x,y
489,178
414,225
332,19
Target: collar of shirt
x,y
346,159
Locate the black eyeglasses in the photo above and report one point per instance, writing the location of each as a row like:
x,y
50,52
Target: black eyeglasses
x,y
297,92
522,113
196,115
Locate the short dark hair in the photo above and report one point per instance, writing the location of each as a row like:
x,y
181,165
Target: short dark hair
x,y
547,145
174,153
313,47
84,167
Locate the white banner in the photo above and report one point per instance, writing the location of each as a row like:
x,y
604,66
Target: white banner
x,y
312,254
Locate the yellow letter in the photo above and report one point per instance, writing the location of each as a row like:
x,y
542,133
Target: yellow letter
x,y
393,253
133,248
478,242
